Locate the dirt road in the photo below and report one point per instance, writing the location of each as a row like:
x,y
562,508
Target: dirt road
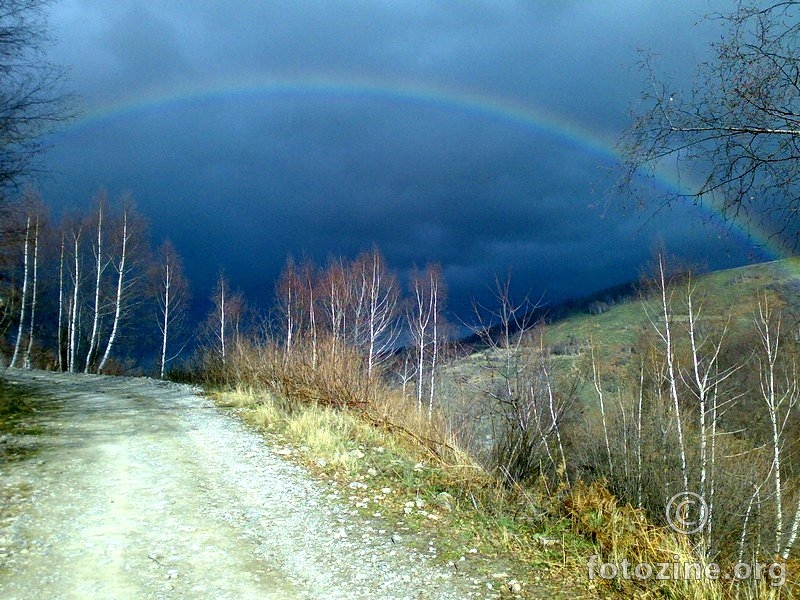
x,y
141,489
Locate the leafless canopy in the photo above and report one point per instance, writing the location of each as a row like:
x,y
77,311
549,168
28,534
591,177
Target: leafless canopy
x,y
738,128
32,100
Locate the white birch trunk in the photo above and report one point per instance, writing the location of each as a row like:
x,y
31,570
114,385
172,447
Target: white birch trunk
x,y
312,322
419,328
673,381
118,301
166,318
434,340
701,383
222,320
769,342
562,468
73,321
93,341
639,438
598,386
34,294
373,325
713,466
289,319
25,267
61,308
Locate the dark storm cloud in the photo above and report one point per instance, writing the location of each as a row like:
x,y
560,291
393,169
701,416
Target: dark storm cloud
x,y
241,182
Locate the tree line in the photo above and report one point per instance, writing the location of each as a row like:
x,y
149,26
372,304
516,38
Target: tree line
x,y
87,292
349,307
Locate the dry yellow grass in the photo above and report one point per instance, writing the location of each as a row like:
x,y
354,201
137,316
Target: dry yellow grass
x,y
347,426
550,535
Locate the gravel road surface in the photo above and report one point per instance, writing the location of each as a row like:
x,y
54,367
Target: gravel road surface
x,y
135,488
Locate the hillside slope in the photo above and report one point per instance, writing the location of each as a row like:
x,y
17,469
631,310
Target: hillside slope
x,y
729,292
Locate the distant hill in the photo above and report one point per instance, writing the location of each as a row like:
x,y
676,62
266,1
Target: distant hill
x,y
593,304
615,318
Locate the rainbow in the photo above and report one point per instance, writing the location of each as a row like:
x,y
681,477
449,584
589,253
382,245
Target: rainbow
x,y
410,93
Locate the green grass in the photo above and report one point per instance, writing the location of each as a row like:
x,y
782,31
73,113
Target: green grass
x,y
15,404
16,411
731,292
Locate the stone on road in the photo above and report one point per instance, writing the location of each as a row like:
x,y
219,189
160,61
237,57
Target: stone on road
x,y
142,489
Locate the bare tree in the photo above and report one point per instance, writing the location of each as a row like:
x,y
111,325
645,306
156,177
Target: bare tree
x,y
24,298
335,298
32,100
780,394
661,321
35,290
294,305
358,302
525,409
101,262
425,323
378,287
309,281
130,247
598,386
703,377
223,325
171,299
73,309
60,341
739,124
30,212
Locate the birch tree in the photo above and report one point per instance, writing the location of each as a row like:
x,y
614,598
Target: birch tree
x,y
661,321
335,298
598,386
130,246
703,377
172,296
24,293
35,291
223,324
434,278
289,293
73,307
525,408
379,290
308,274
425,322
100,264
780,395
61,350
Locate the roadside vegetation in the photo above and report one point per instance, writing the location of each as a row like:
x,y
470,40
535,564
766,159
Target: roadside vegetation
x,y
545,463
17,442
13,405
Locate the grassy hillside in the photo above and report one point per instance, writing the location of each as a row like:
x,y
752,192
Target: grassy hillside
x,y
617,327
731,292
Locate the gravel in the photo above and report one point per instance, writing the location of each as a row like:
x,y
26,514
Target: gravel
x,y
138,488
